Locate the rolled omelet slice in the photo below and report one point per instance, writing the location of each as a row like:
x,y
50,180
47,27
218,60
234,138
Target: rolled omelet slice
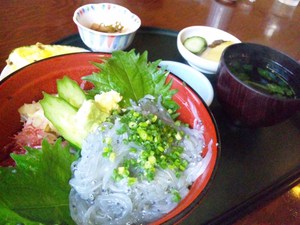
x,y
214,53
22,56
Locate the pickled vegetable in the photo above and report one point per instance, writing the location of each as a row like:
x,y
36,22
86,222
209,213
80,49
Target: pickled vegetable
x,y
195,44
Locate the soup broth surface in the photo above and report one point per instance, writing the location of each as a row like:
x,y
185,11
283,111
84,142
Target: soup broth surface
x,y
263,77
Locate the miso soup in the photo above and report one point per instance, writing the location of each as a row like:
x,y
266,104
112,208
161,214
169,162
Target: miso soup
x,y
262,77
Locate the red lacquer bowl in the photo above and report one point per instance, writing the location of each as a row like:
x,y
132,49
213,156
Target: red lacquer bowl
x,y
27,85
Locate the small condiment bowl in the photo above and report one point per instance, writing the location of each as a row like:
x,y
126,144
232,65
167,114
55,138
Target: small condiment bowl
x,y
210,34
246,105
106,14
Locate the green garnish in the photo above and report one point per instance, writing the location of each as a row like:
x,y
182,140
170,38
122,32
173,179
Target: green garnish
x,y
159,143
132,180
133,77
265,79
176,195
37,188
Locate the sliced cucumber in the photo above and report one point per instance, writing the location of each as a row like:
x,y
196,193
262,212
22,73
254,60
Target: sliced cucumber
x,y
195,44
70,91
62,114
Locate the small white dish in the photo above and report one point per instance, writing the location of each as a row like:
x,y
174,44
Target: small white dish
x,y
192,77
210,34
200,69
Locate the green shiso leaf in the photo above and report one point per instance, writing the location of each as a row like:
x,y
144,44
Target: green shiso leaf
x,y
36,190
133,77
9,217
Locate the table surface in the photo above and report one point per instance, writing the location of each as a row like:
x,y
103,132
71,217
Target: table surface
x,y
263,21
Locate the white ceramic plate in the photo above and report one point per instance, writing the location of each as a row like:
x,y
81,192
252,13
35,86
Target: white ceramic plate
x,y
193,78
5,72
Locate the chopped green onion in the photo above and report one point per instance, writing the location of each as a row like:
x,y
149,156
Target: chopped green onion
x,y
108,140
112,156
131,180
176,195
158,147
